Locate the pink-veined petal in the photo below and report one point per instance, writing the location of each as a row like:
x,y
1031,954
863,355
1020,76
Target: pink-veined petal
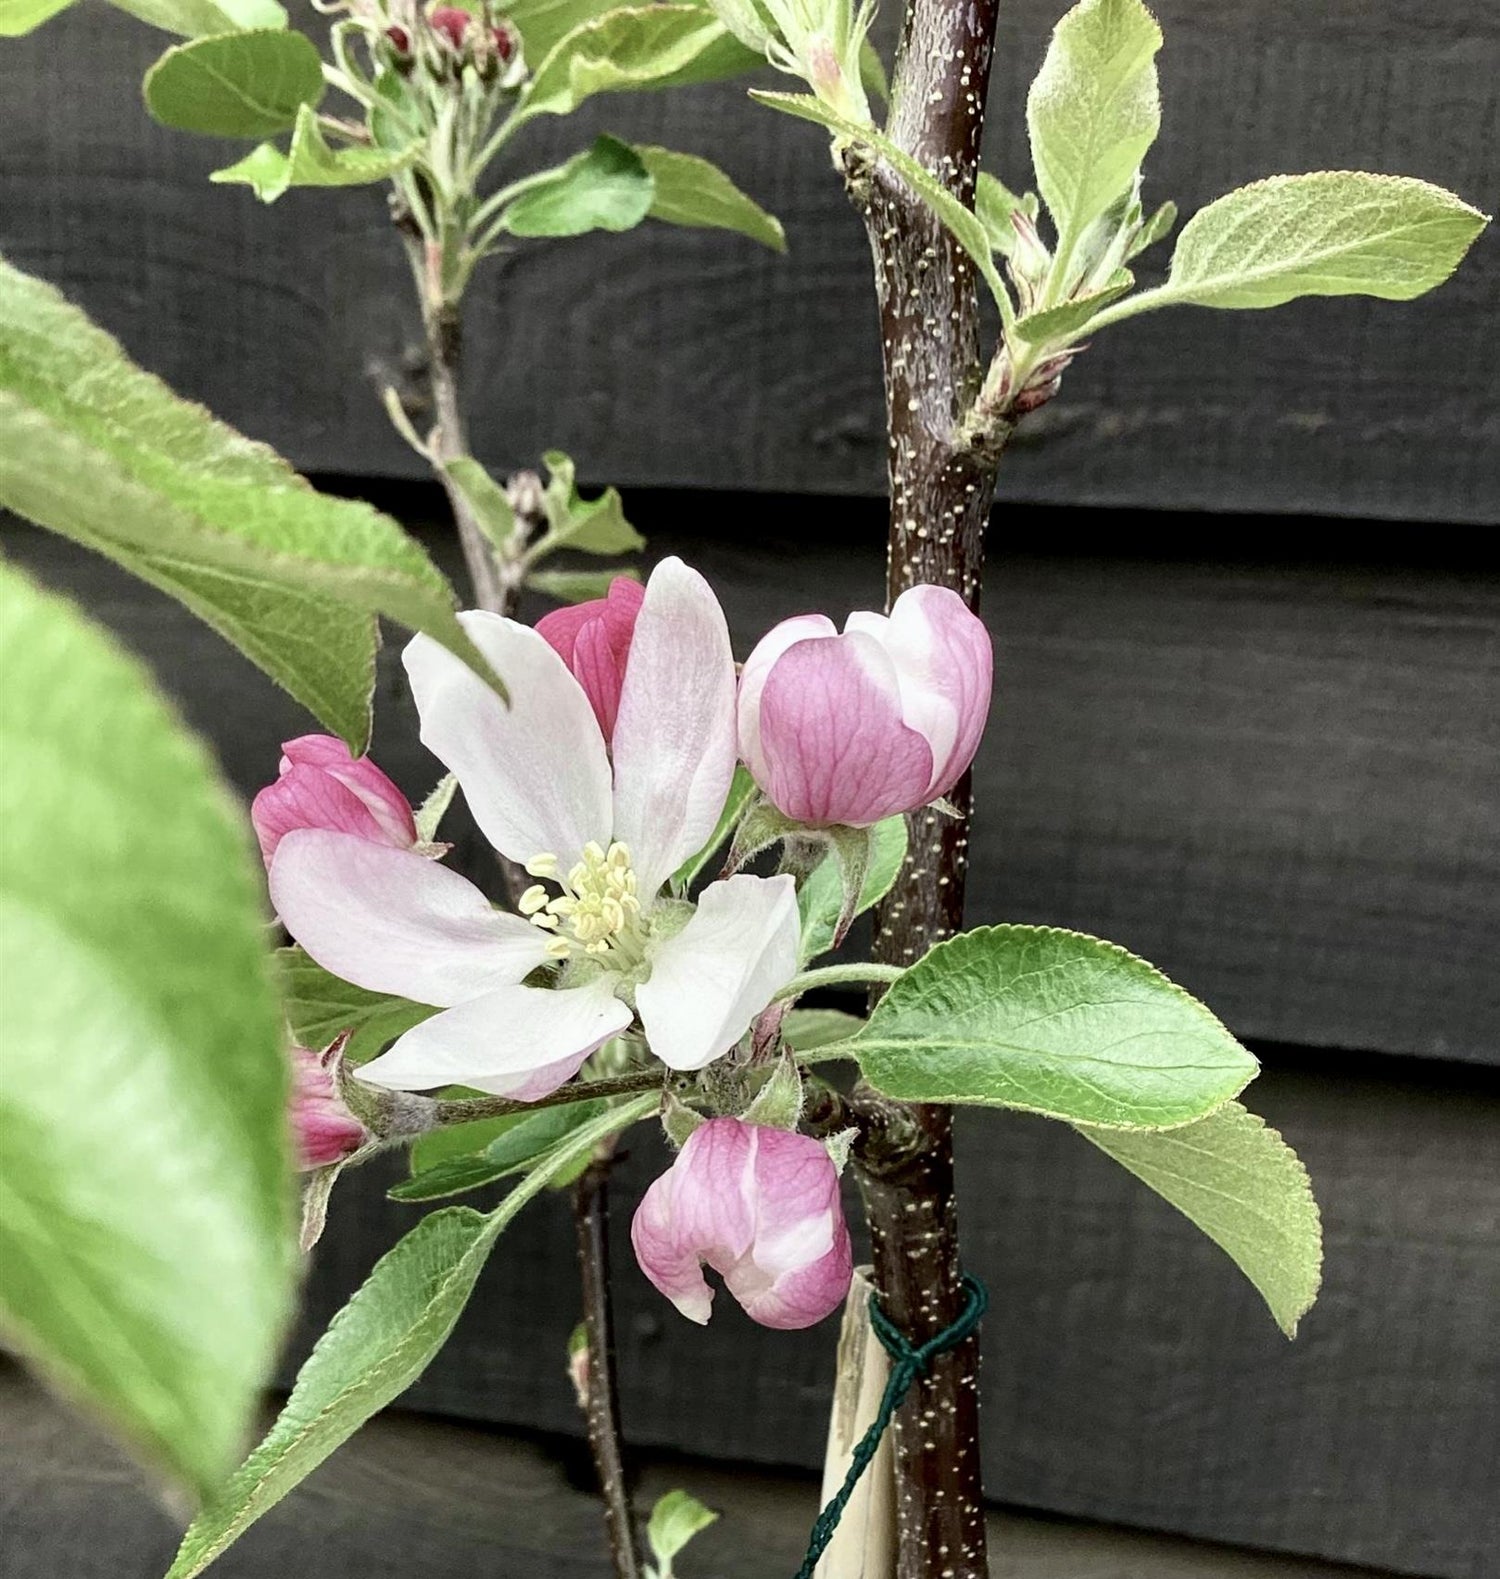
x,y
386,804
393,921
535,774
593,639
674,741
306,797
753,679
519,1042
832,736
710,981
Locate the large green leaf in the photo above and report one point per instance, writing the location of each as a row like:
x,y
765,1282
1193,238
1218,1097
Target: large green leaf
x,y
519,1146
1241,1183
607,187
691,191
235,84
376,1347
191,18
97,449
310,161
145,1191
320,1006
1332,233
1051,1022
656,46
962,222
1093,111
821,897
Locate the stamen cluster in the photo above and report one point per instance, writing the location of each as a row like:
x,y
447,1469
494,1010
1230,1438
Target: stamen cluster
x,y
598,909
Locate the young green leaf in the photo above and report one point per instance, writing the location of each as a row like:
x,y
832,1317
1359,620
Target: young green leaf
x,y
577,586
200,18
806,1030
18,17
962,222
1093,111
309,161
319,1006
93,447
486,498
1067,318
605,188
657,46
430,814
515,1149
1050,1022
236,84
691,191
376,1347
675,1520
145,1190
994,206
1240,1182
593,526
821,897
1332,233
544,22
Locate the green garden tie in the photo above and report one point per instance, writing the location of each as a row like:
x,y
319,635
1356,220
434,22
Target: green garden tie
x,y
907,1363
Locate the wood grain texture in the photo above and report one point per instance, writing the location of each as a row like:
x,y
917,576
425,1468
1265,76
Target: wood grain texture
x,y
1275,782
419,1499
675,357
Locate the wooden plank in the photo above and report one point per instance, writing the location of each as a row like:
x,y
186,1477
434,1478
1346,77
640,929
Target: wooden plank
x,y
671,357
1276,783
415,1496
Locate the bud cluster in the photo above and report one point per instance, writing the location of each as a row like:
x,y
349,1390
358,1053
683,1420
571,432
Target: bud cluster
x,y
445,40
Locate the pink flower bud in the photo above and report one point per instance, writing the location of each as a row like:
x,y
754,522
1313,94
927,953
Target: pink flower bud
x,y
324,1129
761,1207
882,719
399,39
449,23
593,639
322,786
504,41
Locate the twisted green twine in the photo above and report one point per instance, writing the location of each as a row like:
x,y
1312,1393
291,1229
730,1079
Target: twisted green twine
x,y
908,1363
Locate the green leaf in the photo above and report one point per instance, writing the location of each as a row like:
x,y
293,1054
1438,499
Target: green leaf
x,y
93,447
1067,318
1093,111
310,161
994,205
578,586
514,1149
25,16
486,498
1157,228
806,1030
236,84
319,1006
1240,1182
453,1141
429,815
656,46
962,222
1050,1022
145,1191
543,23
821,897
593,526
675,1520
199,18
691,191
376,1347
742,791
1333,233
606,188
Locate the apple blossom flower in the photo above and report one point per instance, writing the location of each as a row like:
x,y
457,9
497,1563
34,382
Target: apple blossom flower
x,y
761,1207
606,834
881,719
322,786
593,639
323,1128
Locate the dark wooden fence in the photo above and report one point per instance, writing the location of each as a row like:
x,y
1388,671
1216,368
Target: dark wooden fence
x,y
1260,752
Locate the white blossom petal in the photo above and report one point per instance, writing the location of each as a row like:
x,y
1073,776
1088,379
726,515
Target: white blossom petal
x,y
535,774
520,1042
710,981
674,740
393,921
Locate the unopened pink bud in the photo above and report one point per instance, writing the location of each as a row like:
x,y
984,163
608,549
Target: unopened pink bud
x,y
761,1207
882,719
324,1129
593,639
399,39
450,23
504,41
322,786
